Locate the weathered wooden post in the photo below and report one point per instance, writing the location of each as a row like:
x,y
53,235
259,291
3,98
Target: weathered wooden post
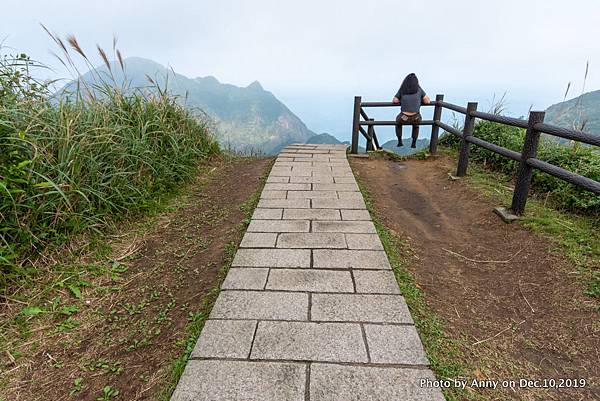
x,y
463,157
371,135
435,129
525,172
355,126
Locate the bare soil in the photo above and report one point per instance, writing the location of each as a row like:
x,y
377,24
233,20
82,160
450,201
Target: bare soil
x,y
134,329
507,295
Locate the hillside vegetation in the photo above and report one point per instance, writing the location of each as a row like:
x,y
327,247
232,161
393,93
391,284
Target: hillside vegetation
x,y
583,160
71,166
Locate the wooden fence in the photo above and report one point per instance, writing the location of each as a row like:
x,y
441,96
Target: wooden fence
x,y
527,158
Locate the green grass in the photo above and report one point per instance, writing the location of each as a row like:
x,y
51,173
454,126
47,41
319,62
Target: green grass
x,y
197,319
442,351
79,164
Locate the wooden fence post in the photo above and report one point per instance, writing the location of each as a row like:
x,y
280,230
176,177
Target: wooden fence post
x,y
371,135
463,157
355,126
435,129
525,172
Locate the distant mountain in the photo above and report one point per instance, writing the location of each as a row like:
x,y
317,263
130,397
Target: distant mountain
x,y
246,119
323,138
584,109
406,149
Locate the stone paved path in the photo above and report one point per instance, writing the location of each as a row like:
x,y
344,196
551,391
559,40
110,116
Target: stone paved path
x,y
310,309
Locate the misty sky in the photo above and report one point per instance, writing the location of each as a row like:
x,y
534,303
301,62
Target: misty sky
x,y
316,55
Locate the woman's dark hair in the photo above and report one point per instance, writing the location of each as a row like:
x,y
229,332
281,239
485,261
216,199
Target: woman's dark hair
x,y
410,85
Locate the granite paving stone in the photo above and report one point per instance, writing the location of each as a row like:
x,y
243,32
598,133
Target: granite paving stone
x,y
333,382
335,187
279,226
344,259
250,257
349,195
375,282
311,214
245,279
225,339
312,194
325,203
260,305
395,344
312,280
259,240
364,241
219,380
344,180
273,195
284,203
313,180
355,214
311,240
360,308
307,341
278,179
267,214
344,227
287,187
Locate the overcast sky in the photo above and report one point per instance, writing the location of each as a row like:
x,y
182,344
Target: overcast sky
x,y
316,55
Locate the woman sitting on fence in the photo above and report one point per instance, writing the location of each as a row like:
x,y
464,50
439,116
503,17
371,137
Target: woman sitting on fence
x,y
410,96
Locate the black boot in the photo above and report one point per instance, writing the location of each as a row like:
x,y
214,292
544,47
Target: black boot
x,y
399,143
414,143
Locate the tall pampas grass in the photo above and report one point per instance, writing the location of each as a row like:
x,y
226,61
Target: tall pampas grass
x,y
74,163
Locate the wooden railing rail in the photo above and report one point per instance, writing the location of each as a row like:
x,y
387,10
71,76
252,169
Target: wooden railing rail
x,y
527,158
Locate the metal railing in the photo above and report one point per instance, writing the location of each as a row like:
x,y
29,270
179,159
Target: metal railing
x,y
534,126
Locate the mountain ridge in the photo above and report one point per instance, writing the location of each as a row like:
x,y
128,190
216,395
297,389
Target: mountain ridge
x,y
246,118
583,110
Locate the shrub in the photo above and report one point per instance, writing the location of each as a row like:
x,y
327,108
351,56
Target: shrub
x,y
583,160
73,165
